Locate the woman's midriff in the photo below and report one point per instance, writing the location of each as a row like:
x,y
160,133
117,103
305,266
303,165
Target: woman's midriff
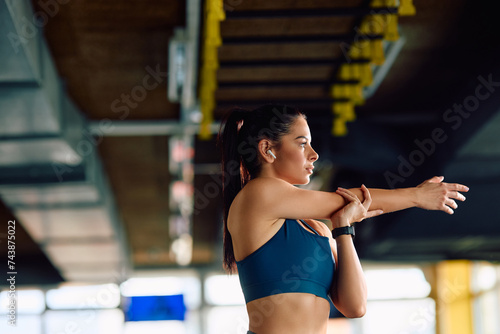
x,y
290,313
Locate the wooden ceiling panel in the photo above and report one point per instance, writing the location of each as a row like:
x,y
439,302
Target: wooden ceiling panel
x,y
107,49
250,52
132,15
138,171
271,93
103,49
287,26
278,73
127,100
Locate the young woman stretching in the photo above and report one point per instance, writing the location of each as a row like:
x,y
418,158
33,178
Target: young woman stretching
x,y
288,263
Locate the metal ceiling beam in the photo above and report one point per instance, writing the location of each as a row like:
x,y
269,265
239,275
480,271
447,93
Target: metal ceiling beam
x,y
146,128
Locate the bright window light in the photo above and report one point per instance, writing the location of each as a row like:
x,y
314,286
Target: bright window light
x,y
227,319
189,286
486,277
400,316
84,297
396,284
223,290
155,327
84,321
26,301
25,324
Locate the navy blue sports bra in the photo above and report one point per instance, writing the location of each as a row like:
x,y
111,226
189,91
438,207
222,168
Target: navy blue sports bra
x,y
293,260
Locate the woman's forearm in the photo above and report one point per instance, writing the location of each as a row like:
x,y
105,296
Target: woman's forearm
x,y
390,200
432,194
349,292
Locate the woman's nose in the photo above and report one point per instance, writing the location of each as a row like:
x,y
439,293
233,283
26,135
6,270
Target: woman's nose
x,y
314,156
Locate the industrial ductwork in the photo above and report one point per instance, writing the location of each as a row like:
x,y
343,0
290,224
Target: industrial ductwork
x,y
51,176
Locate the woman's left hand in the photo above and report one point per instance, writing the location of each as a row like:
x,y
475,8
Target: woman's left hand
x,y
355,210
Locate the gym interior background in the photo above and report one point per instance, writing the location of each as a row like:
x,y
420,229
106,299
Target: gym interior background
x,y
109,177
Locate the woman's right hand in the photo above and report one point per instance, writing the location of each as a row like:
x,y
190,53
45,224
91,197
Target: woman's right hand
x,y
355,210
434,194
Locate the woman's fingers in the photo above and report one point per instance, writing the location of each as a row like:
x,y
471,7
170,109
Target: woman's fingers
x,y
447,209
367,197
367,201
358,209
456,195
451,203
457,187
373,213
347,194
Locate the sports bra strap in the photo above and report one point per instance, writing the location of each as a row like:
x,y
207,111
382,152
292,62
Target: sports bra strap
x,y
309,227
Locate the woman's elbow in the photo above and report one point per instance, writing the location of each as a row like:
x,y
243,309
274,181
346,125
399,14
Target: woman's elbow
x,y
357,312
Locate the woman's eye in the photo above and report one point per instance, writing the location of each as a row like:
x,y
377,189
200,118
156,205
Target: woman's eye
x,y
303,144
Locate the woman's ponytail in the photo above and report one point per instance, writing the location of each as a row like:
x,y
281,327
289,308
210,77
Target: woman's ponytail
x,y
232,180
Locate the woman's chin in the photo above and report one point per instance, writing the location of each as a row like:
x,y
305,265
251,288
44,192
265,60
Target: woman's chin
x,y
304,181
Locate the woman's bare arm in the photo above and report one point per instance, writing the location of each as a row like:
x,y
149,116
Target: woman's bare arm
x,y
432,194
279,199
348,290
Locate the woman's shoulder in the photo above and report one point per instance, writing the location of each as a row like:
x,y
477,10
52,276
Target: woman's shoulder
x,y
262,190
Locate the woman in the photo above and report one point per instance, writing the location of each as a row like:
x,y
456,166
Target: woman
x,y
288,263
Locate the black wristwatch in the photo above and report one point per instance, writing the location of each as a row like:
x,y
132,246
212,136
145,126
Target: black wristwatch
x,y
343,230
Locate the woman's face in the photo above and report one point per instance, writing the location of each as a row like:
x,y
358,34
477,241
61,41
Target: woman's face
x,y
295,156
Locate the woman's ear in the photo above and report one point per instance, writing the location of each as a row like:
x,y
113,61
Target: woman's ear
x,y
263,147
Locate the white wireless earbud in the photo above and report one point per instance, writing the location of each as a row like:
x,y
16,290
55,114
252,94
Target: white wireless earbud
x,y
271,153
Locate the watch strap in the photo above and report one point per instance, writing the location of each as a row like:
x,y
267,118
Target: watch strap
x,y
343,230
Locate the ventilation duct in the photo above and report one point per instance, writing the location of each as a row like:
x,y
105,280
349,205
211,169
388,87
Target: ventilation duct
x,y
51,176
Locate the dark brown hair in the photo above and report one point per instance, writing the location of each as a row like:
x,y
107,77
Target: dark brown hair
x,y
241,131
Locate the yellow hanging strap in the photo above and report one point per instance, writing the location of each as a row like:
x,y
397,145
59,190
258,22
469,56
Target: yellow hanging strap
x,y
214,13
377,3
352,94
349,71
344,72
340,91
406,8
391,31
339,127
357,95
349,91
373,24
382,3
343,112
364,49
366,74
378,57
360,50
